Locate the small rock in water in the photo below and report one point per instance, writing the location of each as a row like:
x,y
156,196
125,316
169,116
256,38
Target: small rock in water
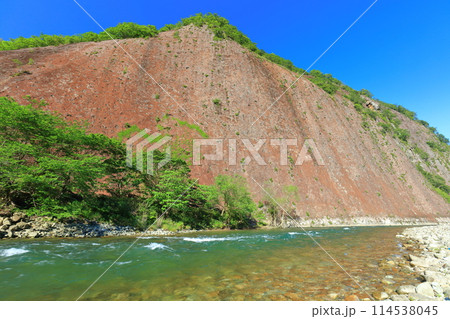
x,y
388,290
387,281
380,295
425,289
390,263
352,298
333,296
407,289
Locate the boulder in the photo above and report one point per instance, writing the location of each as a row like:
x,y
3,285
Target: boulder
x,y
5,213
433,276
425,289
33,234
405,290
422,262
22,225
7,222
17,217
14,228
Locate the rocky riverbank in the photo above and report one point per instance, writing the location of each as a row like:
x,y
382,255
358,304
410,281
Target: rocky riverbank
x,y
427,258
19,225
431,262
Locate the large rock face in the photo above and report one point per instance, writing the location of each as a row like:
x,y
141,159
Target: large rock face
x,y
365,173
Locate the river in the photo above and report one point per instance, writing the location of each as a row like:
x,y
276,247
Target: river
x,y
227,265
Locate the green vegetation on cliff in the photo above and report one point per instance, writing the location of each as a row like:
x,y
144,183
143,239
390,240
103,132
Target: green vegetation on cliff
x,y
437,183
53,168
121,31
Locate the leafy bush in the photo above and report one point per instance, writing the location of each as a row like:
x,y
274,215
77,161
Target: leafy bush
x,y
280,61
402,134
354,96
233,198
437,182
442,138
437,146
385,128
325,81
371,113
366,93
424,123
359,108
410,114
422,154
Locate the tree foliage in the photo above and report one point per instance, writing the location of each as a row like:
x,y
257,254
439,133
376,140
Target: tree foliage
x,y
437,182
121,31
48,165
325,81
236,205
54,168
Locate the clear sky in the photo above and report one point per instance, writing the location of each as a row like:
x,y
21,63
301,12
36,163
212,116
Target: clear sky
x,y
400,50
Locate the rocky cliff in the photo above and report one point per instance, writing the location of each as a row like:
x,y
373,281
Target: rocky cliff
x,y
187,85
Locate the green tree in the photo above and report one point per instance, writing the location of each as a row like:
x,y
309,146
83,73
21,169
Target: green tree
x,y
233,198
48,165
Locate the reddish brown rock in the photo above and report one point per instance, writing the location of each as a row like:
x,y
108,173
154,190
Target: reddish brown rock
x,y
362,176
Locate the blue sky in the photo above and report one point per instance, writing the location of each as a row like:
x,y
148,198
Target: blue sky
x,y
400,50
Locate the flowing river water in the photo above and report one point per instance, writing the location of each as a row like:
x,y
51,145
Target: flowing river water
x,y
225,265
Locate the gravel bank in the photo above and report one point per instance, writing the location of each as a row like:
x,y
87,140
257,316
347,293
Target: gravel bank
x,y
429,258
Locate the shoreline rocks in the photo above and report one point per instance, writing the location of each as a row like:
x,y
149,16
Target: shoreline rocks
x,y
19,225
429,259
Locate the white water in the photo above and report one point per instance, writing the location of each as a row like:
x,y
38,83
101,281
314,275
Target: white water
x,y
12,252
154,246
